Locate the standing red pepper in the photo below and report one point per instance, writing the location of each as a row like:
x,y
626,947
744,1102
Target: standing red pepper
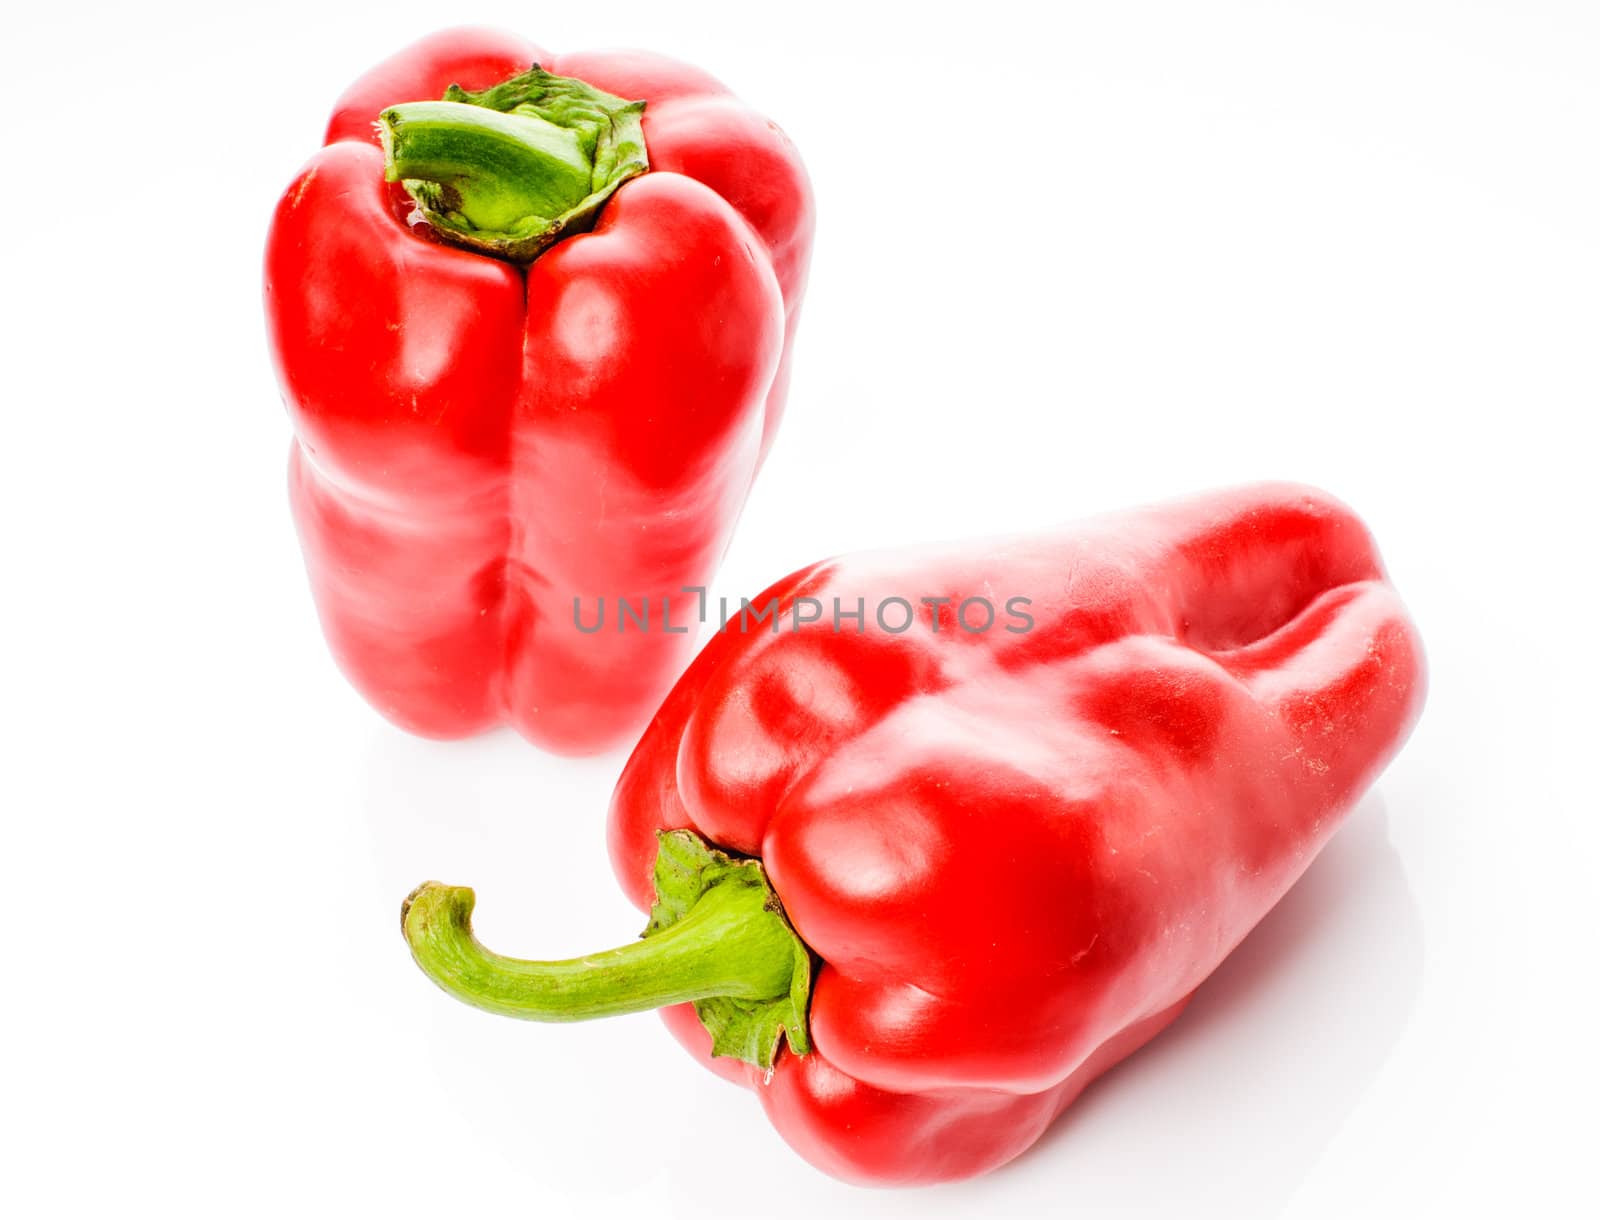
x,y
1014,853
525,373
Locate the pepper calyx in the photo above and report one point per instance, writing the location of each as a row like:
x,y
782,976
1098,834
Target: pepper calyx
x,y
749,1030
511,170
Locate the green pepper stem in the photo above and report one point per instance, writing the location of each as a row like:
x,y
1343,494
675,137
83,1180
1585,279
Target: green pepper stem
x,y
492,169
513,169
729,945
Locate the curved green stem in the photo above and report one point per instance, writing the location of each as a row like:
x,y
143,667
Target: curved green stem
x,y
717,937
722,948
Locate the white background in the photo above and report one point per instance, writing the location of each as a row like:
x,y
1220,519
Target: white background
x,y
1069,259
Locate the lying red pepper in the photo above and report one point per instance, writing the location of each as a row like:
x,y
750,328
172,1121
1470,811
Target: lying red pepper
x,y
1013,853
481,439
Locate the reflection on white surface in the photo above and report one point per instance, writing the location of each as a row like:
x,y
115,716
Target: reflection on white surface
x,y
1272,1054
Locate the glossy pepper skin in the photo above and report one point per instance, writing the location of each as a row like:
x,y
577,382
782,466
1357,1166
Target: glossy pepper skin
x,y
1016,855
918,888
478,444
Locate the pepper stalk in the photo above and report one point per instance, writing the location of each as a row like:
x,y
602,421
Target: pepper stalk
x,y
511,170
717,937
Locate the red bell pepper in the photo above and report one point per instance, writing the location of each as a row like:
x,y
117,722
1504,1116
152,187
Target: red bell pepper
x,y
532,327
965,871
